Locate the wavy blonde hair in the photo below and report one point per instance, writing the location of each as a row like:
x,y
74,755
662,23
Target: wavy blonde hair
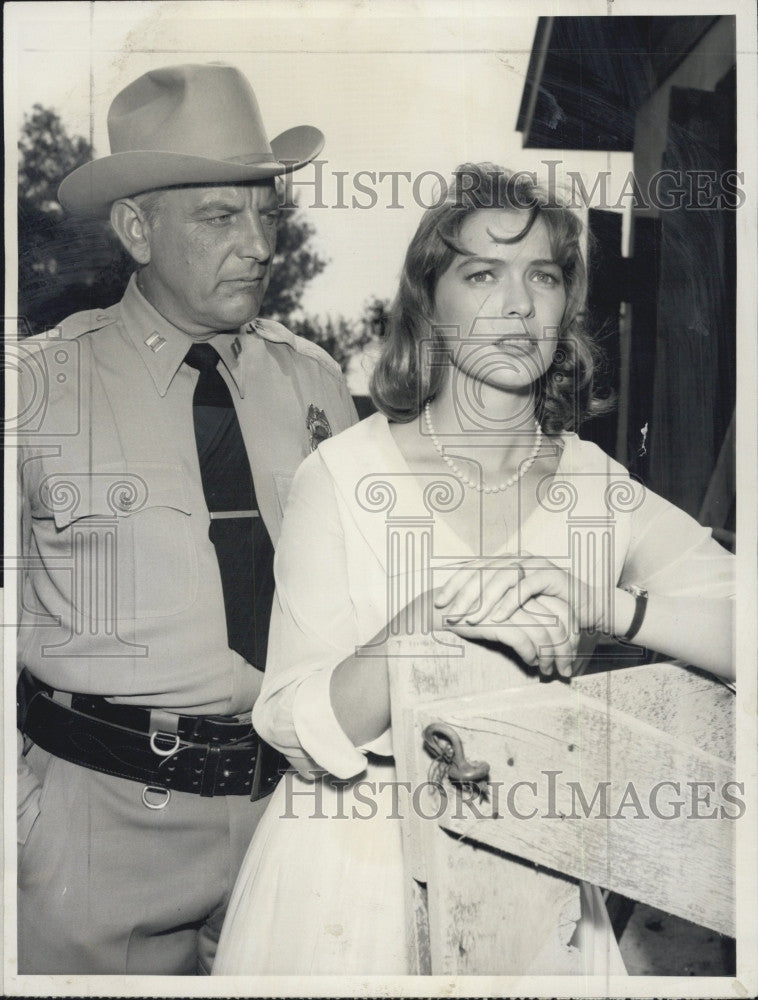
x,y
402,381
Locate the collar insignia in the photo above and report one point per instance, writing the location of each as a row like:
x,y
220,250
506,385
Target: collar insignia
x,y
155,342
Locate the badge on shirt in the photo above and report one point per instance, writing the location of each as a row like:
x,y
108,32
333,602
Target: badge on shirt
x,y
318,426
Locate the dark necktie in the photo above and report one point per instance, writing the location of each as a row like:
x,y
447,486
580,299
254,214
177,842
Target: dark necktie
x,y
243,547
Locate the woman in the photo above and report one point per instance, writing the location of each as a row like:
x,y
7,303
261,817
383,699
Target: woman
x,y
484,376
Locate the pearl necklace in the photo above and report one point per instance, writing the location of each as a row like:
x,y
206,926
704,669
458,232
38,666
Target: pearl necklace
x,y
480,487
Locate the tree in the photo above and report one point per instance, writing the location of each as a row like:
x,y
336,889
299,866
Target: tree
x,y
344,338
64,264
48,153
68,264
295,264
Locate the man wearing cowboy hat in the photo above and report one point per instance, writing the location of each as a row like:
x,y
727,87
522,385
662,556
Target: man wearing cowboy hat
x,y
158,439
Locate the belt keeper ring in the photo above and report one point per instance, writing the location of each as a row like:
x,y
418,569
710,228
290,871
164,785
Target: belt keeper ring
x,y
155,805
162,752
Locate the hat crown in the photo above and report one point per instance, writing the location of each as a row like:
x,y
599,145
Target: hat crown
x,y
190,124
197,110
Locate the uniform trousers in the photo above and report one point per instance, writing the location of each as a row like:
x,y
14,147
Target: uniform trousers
x,y
109,886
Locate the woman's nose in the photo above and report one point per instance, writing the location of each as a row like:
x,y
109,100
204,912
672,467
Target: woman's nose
x,y
516,299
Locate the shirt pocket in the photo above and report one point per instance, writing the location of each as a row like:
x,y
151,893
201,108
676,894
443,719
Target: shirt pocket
x,y
128,535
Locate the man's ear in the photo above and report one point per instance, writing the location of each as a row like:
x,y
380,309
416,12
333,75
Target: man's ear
x,y
131,226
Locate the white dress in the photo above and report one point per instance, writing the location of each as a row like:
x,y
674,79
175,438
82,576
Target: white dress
x,y
321,888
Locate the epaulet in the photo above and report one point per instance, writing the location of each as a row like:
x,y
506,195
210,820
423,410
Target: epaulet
x,y
76,325
276,333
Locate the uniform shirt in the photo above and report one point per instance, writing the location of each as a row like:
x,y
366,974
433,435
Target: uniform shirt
x,y
122,595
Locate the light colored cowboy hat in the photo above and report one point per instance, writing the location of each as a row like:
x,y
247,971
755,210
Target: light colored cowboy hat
x,y
191,124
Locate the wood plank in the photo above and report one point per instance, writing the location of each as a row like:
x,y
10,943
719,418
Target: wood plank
x,y
490,914
465,905
421,671
641,726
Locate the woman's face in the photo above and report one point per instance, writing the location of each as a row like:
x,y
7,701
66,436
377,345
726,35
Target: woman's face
x,y
499,309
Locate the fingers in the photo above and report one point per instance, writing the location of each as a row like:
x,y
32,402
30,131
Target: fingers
x,y
526,634
561,629
517,638
472,591
478,594
463,581
536,629
542,634
486,592
551,582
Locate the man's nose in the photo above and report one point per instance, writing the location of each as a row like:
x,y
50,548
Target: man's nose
x,y
256,239
516,298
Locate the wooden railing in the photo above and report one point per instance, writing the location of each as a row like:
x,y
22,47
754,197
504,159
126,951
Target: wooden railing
x,y
624,780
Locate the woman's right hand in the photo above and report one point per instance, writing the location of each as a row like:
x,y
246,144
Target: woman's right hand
x,y
540,632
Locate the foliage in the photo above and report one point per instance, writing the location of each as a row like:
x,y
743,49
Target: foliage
x,y
64,264
343,338
47,155
295,264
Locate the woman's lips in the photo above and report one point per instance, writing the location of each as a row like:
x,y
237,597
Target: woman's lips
x,y
519,342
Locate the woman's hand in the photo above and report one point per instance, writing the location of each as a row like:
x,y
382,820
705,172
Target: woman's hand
x,y
475,594
541,633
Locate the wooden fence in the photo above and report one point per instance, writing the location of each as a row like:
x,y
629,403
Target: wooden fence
x,y
624,780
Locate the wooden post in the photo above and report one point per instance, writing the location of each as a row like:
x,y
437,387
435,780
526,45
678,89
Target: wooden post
x,y
466,904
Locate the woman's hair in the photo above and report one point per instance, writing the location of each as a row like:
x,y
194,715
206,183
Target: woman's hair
x,y
403,380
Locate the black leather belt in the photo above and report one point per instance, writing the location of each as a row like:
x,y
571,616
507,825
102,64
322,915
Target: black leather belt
x,y
206,755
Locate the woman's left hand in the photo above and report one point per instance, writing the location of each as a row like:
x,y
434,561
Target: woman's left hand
x,y
481,593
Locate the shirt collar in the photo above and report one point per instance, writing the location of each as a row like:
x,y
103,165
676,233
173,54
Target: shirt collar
x,y
163,346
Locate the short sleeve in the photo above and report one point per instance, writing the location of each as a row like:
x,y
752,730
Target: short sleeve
x,y
313,629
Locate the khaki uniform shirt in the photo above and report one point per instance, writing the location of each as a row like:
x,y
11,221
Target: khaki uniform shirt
x,y
122,594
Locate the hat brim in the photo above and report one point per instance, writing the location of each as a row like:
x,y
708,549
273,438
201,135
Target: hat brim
x,y
91,189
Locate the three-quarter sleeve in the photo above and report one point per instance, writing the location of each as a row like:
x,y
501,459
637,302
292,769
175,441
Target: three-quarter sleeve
x,y
670,553
314,627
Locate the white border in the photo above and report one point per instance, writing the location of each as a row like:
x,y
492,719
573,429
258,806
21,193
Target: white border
x,y
746,983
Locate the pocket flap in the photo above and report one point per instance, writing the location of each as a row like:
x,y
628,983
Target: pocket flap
x,y
113,492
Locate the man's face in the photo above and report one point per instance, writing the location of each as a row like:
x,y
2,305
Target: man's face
x,y
210,255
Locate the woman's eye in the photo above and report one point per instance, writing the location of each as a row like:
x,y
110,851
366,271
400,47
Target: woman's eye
x,y
480,277
546,278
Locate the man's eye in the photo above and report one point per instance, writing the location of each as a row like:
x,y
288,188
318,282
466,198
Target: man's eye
x,y
480,277
271,218
222,219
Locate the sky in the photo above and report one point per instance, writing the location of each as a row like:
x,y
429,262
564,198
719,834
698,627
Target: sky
x,y
409,88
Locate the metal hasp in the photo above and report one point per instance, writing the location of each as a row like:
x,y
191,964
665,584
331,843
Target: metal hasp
x,y
444,743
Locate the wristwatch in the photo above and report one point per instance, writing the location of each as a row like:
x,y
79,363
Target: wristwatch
x,y
640,597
